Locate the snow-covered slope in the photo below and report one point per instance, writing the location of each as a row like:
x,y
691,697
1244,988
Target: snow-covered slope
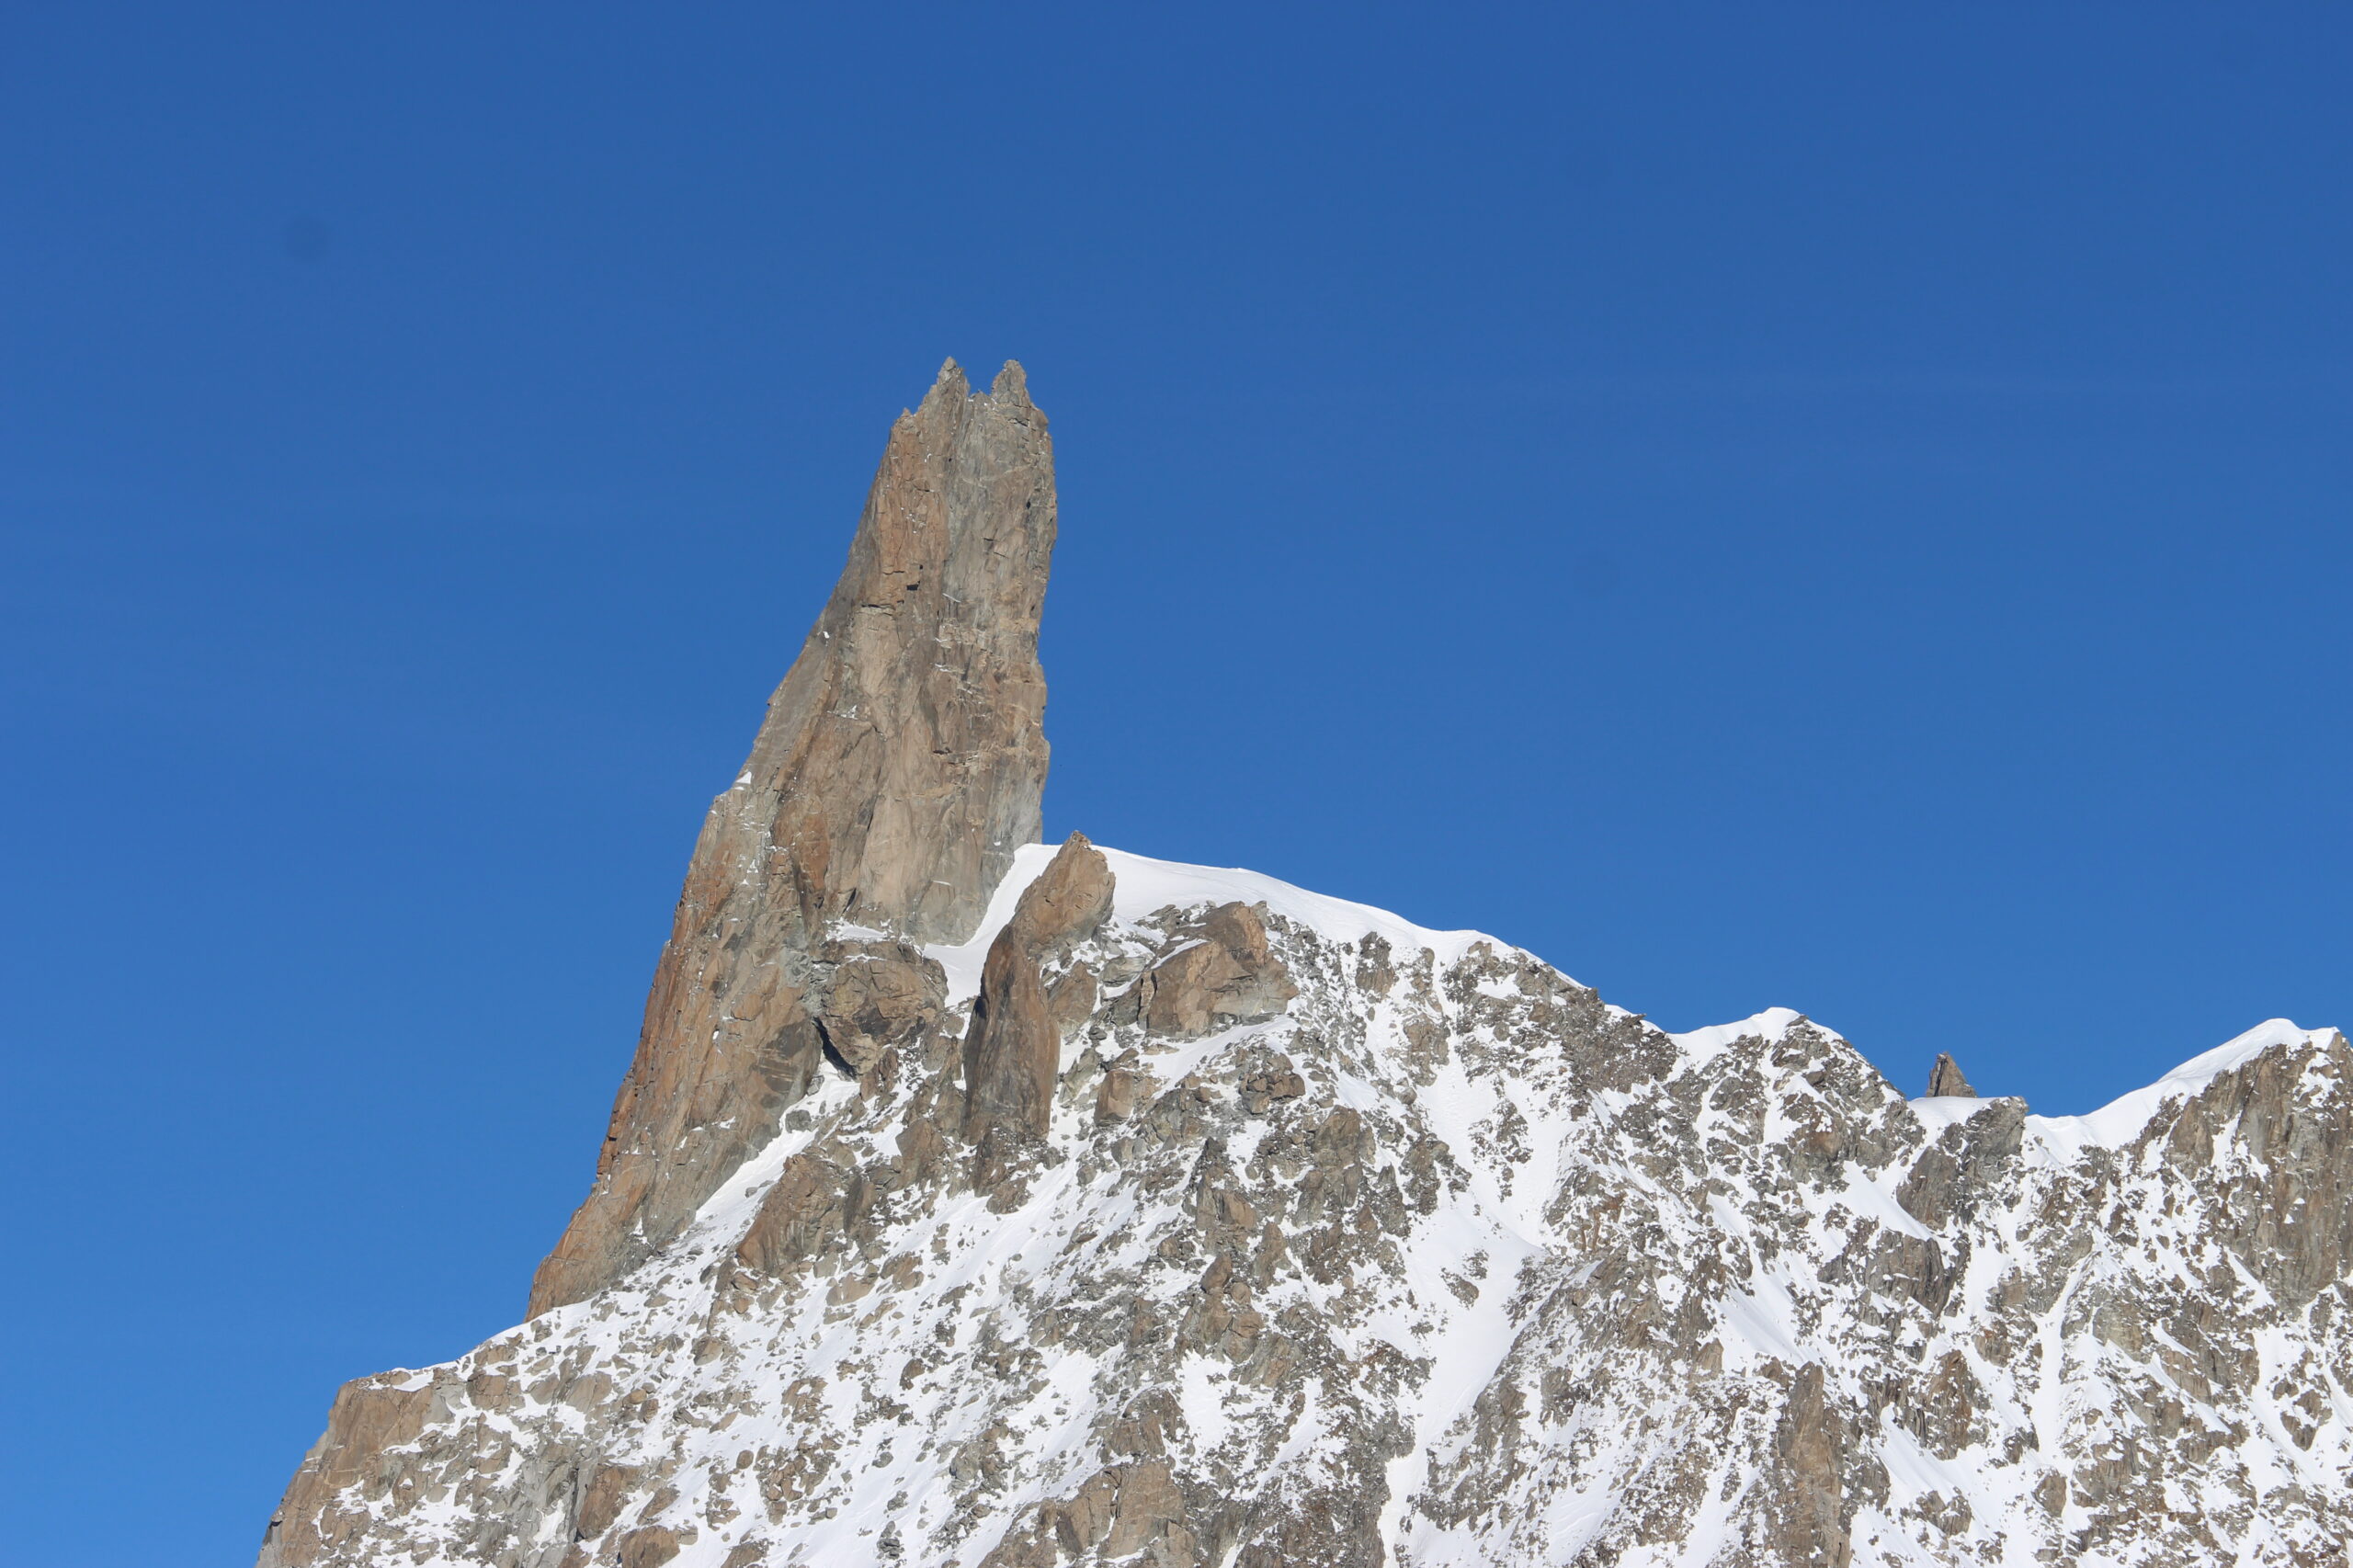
x,y
1440,1261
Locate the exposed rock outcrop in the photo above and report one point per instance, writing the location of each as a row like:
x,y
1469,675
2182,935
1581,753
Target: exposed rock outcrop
x,y
1012,1051
899,766
327,1509
870,998
1170,1216
1945,1079
1220,973
1444,1262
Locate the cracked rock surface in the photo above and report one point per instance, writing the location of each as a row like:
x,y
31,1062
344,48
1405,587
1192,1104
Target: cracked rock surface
x,y
899,766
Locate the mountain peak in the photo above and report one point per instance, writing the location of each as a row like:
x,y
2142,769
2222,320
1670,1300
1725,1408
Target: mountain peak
x,y
900,764
977,1203
1945,1079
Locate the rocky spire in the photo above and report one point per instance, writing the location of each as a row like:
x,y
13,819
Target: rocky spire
x,y
1011,1050
899,766
1945,1079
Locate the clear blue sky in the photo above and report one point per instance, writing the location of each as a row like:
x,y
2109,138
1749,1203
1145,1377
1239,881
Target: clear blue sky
x,y
1839,507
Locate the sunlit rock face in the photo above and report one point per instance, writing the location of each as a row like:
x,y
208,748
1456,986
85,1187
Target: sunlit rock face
x,y
1107,1209
899,766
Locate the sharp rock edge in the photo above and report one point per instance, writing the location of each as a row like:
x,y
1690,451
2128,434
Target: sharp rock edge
x,y
899,766
1169,1215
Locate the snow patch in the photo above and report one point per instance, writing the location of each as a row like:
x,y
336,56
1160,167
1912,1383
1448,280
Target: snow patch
x,y
1144,886
1772,1025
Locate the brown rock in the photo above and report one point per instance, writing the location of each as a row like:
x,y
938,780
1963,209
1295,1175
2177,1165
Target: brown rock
x,y
876,995
601,1500
1811,1445
899,768
1012,1053
1121,1510
813,1205
1945,1078
1952,1174
2289,1215
1150,1508
1072,998
1124,1084
1221,974
648,1547
369,1415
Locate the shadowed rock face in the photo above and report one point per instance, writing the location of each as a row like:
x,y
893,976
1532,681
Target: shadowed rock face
x,y
899,766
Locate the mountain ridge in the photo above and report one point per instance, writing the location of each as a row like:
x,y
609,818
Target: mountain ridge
x,y
1110,1210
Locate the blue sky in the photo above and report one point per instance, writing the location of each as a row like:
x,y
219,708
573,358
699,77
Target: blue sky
x,y
1842,508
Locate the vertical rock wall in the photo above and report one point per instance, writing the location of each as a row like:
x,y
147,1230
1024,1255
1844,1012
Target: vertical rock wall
x,y
900,764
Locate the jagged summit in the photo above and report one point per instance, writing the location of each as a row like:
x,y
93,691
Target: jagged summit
x,y
1945,1080
974,1202
900,764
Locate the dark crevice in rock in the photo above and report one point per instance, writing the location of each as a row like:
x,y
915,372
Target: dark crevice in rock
x,y
834,1058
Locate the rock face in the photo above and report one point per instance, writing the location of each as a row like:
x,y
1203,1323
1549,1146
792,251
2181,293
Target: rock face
x,y
1945,1080
1168,1216
1013,1050
900,767
1224,975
